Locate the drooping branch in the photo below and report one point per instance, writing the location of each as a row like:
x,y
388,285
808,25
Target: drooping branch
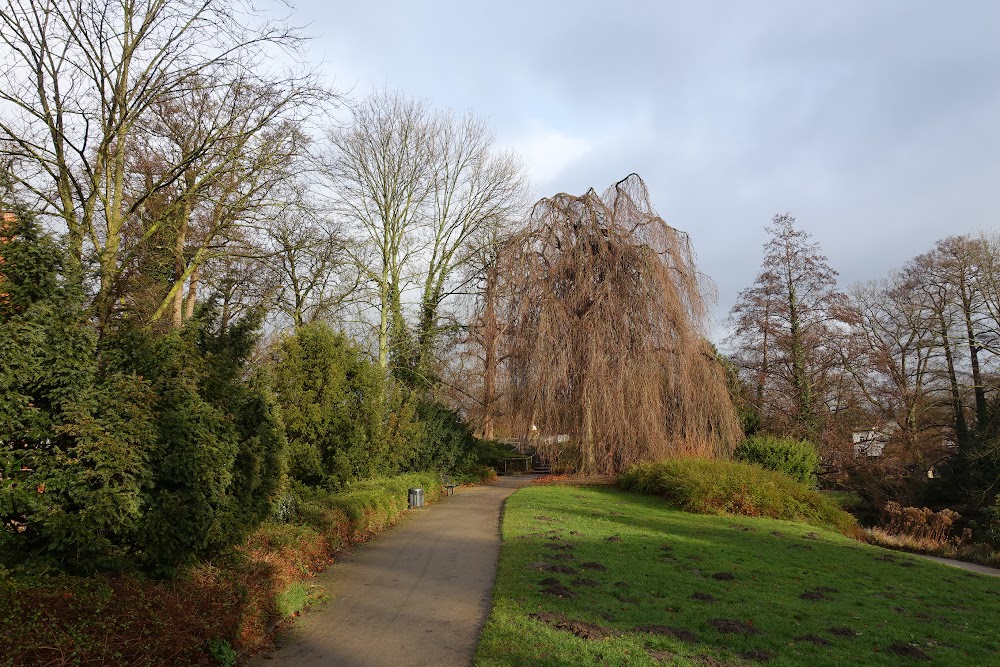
x,y
606,313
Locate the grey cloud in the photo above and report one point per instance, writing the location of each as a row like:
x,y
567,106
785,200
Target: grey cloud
x,y
874,123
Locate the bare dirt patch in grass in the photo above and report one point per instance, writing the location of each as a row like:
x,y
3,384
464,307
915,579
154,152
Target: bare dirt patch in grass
x,y
813,595
583,581
555,588
582,629
666,631
757,656
661,656
729,626
905,650
844,632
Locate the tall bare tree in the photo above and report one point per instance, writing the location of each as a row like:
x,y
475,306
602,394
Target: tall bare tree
x,y
381,173
308,252
786,330
606,313
477,193
242,177
79,77
427,191
893,359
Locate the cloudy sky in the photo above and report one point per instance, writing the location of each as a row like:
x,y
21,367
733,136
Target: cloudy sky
x,y
875,123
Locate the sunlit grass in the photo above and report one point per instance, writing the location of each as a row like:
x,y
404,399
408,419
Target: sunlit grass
x,y
798,594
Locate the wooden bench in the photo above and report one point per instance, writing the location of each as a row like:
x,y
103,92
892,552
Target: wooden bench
x,y
449,486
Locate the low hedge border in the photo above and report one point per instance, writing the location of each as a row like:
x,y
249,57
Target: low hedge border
x,y
717,486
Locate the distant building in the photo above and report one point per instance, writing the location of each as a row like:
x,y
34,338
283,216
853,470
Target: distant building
x,y
872,441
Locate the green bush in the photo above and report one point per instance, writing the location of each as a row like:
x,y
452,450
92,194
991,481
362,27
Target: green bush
x,y
217,455
491,453
139,449
331,401
447,443
709,486
362,508
74,438
796,458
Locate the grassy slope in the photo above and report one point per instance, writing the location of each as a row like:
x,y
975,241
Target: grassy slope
x,y
666,556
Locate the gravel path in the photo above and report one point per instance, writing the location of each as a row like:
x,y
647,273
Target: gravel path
x,y
416,595
971,567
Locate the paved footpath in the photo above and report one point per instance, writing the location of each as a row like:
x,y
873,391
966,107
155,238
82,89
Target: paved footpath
x,y
416,595
971,567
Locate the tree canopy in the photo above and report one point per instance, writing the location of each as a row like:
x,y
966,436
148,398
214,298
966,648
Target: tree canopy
x,y
606,311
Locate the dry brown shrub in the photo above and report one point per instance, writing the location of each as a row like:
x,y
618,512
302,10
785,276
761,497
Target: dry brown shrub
x,y
920,523
606,314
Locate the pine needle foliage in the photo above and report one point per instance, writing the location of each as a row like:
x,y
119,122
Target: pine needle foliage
x,y
607,312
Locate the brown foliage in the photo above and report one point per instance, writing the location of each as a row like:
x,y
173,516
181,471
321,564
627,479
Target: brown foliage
x,y
919,522
787,332
605,312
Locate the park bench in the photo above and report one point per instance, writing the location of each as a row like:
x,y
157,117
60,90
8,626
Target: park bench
x,y
449,486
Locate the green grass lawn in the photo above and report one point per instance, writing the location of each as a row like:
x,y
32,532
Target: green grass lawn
x,y
596,576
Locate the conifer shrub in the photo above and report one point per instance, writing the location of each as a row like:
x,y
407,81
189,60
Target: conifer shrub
x,y
796,458
715,486
447,442
217,456
330,398
139,450
74,439
346,422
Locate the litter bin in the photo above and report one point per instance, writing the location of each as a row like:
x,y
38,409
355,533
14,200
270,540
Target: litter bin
x,y
416,498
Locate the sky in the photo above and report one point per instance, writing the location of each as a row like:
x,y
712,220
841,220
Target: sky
x,y
875,123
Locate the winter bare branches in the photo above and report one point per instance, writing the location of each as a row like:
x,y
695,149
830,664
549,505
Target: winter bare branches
x,y
605,314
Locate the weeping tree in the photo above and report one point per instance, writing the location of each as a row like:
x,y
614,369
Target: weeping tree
x,y
605,313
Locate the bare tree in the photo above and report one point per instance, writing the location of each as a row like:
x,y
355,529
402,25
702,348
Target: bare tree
x,y
427,191
476,194
893,358
310,257
78,79
381,174
606,311
787,331
243,177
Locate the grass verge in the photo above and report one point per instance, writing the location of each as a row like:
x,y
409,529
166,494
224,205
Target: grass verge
x,y
592,576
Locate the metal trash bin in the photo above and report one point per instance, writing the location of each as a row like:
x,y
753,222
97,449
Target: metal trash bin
x,y
416,498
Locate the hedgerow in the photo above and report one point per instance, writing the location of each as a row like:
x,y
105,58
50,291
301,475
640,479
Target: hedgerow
x,y
796,458
716,486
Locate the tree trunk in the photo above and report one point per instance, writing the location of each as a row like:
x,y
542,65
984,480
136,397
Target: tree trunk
x,y
979,388
192,295
961,426
800,378
489,336
180,265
